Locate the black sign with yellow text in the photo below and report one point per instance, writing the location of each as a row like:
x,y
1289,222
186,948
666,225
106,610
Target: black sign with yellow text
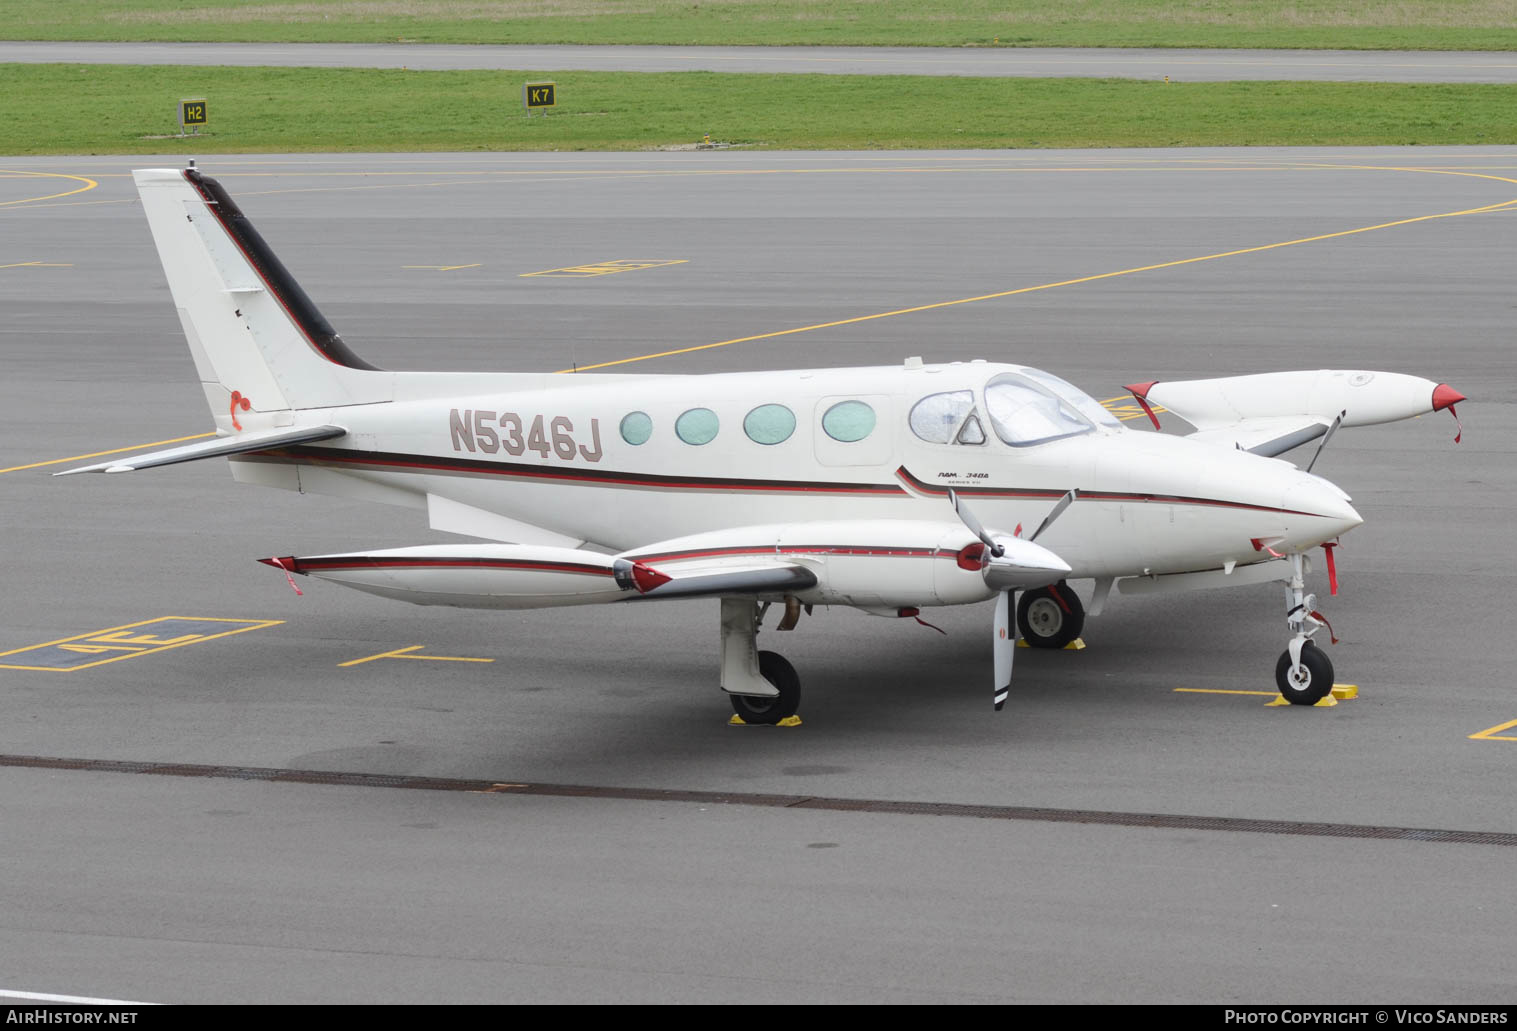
x,y
193,112
538,94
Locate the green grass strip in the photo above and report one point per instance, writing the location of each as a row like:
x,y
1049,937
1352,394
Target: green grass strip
x,y
84,109
1333,24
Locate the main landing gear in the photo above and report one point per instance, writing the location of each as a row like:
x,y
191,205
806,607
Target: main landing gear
x,y
1304,673
762,686
1050,617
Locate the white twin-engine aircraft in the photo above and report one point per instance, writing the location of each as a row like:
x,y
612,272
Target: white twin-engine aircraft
x,y
890,489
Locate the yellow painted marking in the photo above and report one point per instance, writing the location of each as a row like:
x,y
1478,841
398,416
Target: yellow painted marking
x,y
113,451
1218,690
1503,205
89,184
1125,408
1340,692
1494,733
38,264
405,653
120,643
382,655
125,640
604,268
443,268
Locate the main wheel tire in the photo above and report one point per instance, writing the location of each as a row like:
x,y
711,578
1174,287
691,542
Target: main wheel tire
x,y
1044,622
777,670
1312,683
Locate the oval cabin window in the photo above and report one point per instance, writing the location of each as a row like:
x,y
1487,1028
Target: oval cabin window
x,y
769,424
697,426
848,421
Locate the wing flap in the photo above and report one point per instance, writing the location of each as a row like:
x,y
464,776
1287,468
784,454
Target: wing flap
x,y
1267,437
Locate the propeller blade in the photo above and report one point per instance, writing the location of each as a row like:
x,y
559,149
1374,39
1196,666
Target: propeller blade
x,y
1005,647
1058,510
1325,438
975,526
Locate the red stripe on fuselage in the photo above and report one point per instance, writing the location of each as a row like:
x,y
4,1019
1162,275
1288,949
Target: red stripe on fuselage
x,y
423,463
380,461
1091,495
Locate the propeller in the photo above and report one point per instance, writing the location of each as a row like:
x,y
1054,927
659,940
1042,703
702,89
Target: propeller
x,y
1005,645
975,526
1058,510
1013,564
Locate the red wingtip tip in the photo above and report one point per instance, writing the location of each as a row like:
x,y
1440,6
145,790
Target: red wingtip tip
x,y
1445,396
1140,391
646,577
287,563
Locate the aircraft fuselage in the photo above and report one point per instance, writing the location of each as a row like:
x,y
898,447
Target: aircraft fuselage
x,y
619,461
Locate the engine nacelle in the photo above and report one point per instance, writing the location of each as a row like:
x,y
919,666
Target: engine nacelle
x,y
876,564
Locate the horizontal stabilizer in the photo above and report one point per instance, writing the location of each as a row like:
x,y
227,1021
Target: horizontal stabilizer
x,y
263,440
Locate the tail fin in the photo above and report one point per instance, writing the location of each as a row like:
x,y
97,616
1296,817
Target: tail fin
x,y
258,341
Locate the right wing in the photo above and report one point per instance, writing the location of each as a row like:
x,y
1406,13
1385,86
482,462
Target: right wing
x,y
1271,413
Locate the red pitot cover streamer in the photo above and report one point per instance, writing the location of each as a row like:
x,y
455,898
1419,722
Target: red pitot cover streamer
x,y
280,563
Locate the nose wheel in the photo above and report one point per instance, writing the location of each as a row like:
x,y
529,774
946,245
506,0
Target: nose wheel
x,y
1306,682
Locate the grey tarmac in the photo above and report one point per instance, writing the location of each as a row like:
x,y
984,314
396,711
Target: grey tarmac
x,y
181,889
996,62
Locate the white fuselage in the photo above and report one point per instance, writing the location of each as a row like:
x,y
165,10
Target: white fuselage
x,y
550,452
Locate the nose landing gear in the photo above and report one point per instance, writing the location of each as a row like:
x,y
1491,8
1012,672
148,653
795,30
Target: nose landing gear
x,y
1304,673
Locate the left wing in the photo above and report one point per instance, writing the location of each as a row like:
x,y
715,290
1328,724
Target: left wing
x,y
524,576
1271,413
880,565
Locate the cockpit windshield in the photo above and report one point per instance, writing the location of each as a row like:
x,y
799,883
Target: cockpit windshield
x,y
1025,412
1088,406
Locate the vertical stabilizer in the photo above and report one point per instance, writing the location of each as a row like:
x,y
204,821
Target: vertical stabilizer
x,y
259,343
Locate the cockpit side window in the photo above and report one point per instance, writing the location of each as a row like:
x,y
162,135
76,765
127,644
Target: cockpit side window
x,y
1023,413
937,417
971,432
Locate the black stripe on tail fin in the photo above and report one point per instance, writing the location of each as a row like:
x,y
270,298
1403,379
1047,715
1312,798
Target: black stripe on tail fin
x,y
276,278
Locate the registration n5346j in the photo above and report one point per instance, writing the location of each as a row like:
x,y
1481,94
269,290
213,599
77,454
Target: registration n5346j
x,y
509,432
